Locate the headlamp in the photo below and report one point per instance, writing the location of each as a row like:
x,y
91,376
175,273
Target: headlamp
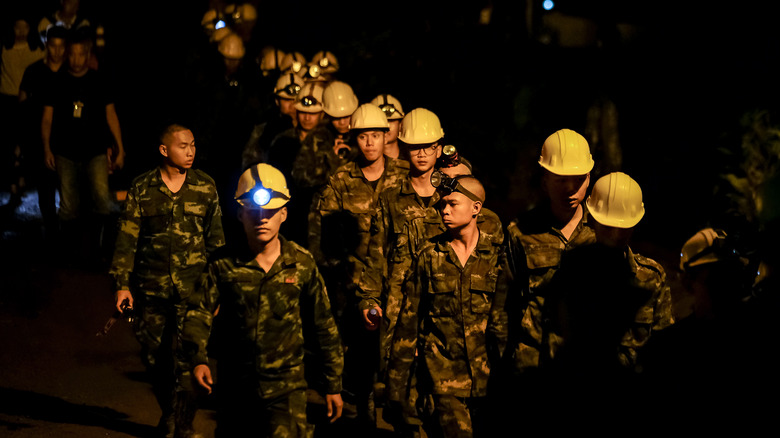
x,y
292,89
308,101
314,71
260,196
324,62
388,109
296,66
447,185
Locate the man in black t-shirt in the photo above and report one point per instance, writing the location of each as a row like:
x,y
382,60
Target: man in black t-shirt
x,y
36,83
79,121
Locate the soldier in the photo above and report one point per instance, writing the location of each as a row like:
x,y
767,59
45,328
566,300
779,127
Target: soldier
x,y
270,302
395,113
537,239
340,234
171,224
286,146
604,304
282,118
327,147
452,328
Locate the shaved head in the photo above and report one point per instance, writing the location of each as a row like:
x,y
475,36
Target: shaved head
x,y
473,185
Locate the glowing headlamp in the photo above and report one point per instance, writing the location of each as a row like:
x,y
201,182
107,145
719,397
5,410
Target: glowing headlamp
x,y
314,71
292,88
324,62
220,24
308,101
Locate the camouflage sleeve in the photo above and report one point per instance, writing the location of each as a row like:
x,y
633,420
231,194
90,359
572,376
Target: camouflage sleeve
x,y
404,344
498,327
316,308
328,206
199,317
662,309
215,235
126,242
370,285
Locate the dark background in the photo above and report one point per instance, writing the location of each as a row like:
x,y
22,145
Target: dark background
x,y
680,86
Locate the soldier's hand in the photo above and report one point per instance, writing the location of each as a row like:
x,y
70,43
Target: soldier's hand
x,y
202,375
122,295
338,145
335,405
372,322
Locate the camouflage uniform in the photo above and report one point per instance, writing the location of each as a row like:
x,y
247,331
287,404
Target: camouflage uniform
x,y
604,306
264,319
339,238
404,223
316,162
162,245
343,220
534,250
453,319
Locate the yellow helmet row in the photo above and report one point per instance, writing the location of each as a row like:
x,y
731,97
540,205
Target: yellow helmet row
x,y
262,186
616,201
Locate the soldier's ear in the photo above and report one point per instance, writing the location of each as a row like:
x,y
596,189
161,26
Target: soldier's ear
x,y
476,208
283,212
164,150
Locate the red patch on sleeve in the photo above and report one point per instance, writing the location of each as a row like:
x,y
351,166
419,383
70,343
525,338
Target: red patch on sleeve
x,y
289,280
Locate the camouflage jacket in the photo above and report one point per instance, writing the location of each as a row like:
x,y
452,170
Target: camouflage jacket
x,y
603,306
316,161
164,239
341,223
264,319
534,251
453,319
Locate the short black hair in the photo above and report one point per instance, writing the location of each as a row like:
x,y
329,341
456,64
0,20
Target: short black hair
x,y
170,130
56,32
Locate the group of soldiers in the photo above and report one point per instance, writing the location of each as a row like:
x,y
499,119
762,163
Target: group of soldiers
x,y
367,269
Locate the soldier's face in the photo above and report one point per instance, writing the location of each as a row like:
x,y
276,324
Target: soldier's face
x,y
392,134
423,158
566,191
307,121
372,144
612,237
262,225
180,149
287,107
457,210
341,124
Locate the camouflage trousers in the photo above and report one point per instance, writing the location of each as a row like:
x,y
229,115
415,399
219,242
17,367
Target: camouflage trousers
x,y
158,329
456,417
240,412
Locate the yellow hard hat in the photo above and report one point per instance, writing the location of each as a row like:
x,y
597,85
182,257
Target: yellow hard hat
x,y
566,152
616,201
232,47
219,34
209,19
288,86
293,62
420,126
326,61
338,99
368,116
390,105
262,186
708,245
271,59
309,99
